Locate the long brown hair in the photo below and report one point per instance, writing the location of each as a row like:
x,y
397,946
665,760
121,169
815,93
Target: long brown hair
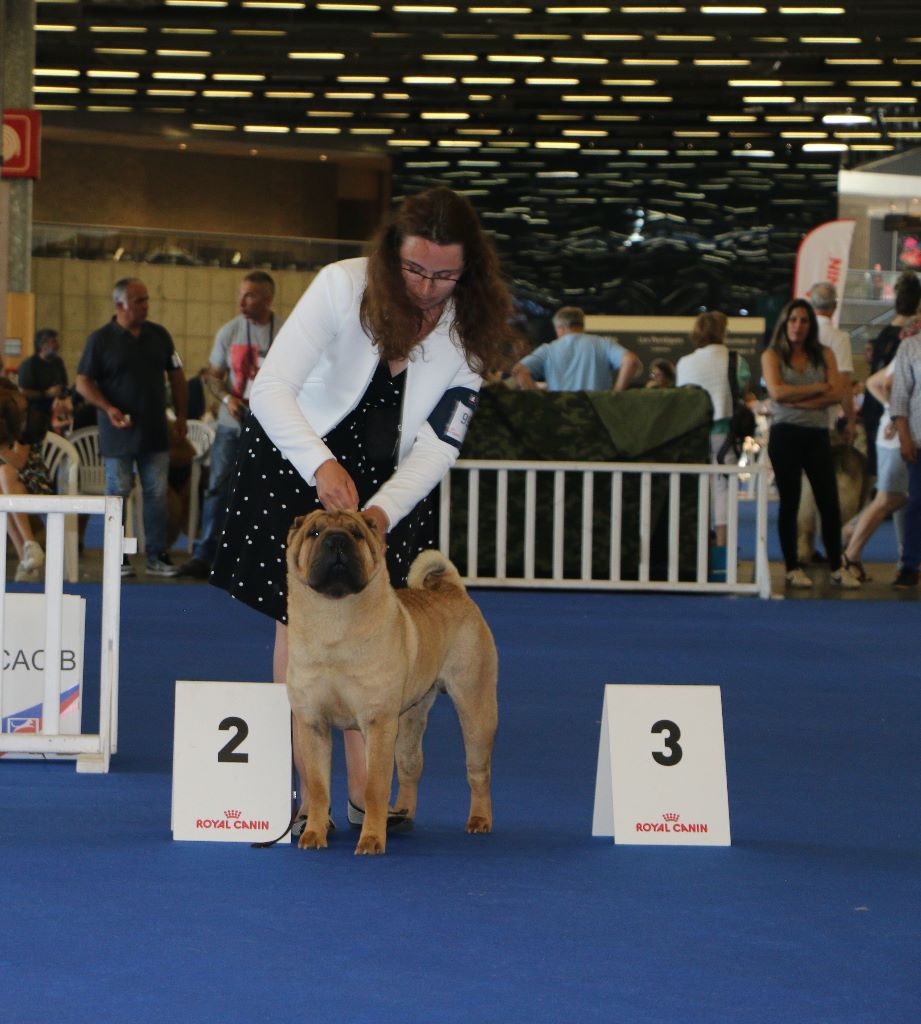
x,y
812,346
482,304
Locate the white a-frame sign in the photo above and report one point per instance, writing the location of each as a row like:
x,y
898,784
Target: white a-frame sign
x,y
662,767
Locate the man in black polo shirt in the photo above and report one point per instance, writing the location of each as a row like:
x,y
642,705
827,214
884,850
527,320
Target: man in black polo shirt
x,y
42,379
121,372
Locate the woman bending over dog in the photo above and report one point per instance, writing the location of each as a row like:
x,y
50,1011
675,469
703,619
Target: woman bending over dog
x,y
363,402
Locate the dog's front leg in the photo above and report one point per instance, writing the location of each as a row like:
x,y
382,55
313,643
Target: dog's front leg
x,y
315,743
380,735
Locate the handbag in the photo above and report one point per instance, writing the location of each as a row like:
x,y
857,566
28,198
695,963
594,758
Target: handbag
x,y
742,420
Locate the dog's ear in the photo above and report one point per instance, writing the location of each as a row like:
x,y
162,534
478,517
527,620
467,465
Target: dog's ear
x,y
371,522
295,526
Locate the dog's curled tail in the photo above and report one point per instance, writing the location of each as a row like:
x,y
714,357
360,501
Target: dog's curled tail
x,y
431,568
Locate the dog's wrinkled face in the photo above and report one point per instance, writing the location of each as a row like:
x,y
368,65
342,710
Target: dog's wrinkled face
x,y
334,553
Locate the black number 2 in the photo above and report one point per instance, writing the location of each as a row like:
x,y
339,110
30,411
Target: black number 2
x,y
673,734
227,753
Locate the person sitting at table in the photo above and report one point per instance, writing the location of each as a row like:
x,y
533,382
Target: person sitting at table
x,y
661,374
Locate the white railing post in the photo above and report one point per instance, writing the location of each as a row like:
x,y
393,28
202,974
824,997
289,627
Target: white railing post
x,y
762,565
501,523
54,621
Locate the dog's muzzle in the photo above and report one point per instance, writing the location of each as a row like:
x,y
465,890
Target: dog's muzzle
x,y
336,568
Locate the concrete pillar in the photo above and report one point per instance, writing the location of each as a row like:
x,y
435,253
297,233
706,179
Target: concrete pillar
x,y
17,59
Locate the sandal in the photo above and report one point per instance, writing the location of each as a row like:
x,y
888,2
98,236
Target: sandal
x,y
856,567
397,821
300,823
295,828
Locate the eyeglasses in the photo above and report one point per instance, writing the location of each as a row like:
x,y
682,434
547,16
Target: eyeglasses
x,y
441,277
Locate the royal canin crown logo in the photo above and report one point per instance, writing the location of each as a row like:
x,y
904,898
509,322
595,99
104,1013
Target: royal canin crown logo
x,y
671,822
233,819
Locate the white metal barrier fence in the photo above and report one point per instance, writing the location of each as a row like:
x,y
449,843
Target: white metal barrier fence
x,y
92,751
564,524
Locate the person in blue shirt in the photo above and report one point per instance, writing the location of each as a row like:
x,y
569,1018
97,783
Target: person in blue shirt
x,y
577,361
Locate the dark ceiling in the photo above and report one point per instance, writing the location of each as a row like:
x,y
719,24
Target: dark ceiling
x,y
632,156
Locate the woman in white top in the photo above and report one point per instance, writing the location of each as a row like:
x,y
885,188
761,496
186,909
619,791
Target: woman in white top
x,y
708,367
891,481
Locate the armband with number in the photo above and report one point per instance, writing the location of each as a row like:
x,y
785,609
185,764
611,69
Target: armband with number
x,y
451,417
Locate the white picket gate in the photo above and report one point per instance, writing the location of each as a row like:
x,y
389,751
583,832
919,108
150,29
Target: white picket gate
x,y
493,479
92,751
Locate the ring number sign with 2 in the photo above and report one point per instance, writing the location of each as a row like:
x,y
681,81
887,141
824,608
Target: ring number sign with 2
x,y
231,761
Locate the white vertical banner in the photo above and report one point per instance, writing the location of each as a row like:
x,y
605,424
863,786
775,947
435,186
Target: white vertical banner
x,y
824,255
661,776
22,689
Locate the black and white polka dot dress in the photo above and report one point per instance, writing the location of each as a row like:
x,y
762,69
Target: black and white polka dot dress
x,y
268,492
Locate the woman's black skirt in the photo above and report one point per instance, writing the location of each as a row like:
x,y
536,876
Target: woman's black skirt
x,y
267,494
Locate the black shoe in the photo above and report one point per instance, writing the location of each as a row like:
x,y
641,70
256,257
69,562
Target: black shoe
x,y
397,821
906,578
195,569
300,823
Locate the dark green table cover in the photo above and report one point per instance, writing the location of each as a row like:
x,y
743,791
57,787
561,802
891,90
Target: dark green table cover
x,y
651,425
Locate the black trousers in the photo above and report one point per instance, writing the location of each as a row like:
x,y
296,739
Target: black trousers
x,y
793,451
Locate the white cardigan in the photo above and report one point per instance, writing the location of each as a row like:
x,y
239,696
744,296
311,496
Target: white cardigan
x,y
320,365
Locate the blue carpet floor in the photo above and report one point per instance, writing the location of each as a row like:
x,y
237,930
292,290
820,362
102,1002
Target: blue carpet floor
x,y
811,916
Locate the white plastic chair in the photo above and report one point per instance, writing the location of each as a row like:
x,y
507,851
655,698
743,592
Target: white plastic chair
x,y
62,461
91,479
201,437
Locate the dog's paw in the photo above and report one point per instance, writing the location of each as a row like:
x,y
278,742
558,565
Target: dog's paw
x,y
370,844
311,840
477,823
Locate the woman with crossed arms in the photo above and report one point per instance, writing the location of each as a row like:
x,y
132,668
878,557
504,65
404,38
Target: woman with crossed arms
x,y
802,380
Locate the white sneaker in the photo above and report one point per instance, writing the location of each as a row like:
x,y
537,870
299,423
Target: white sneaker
x,y
26,575
32,555
845,579
797,579
160,565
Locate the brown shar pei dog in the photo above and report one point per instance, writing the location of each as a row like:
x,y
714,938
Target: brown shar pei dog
x,y
362,655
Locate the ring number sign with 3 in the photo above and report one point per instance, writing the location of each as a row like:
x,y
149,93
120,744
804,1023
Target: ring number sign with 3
x,y
658,782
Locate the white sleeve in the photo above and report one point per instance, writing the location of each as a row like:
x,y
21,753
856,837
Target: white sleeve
x,y
842,349
423,469
680,370
299,345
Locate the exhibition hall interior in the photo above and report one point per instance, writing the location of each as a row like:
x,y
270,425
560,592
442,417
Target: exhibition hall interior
x,y
723,510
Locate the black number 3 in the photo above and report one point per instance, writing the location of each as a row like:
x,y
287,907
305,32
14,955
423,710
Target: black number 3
x,y
227,752
671,742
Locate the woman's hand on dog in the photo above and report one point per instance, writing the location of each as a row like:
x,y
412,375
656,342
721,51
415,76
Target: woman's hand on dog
x,y
336,491
335,488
